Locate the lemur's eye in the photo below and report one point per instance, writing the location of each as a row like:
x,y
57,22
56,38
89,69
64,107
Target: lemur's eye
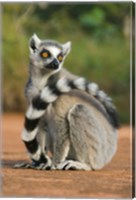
x,y
44,53
60,57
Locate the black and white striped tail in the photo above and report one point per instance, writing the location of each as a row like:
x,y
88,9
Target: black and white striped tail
x,y
101,96
32,118
48,95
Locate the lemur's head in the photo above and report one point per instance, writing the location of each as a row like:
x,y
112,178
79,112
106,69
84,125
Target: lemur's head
x,y
48,55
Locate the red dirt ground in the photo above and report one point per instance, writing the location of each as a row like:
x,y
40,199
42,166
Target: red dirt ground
x,y
113,181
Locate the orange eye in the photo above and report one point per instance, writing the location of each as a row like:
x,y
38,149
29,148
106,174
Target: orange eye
x,y
60,58
45,55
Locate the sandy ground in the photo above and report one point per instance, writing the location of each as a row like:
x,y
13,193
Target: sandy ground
x,y
113,181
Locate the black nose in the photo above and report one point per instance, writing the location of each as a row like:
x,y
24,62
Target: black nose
x,y
53,65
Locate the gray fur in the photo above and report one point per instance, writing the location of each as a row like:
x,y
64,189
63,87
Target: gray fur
x,y
80,136
51,43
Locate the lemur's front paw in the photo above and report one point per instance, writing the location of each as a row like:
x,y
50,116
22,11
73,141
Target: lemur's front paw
x,y
41,166
44,163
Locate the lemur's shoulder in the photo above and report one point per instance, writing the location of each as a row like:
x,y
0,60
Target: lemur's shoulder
x,y
65,73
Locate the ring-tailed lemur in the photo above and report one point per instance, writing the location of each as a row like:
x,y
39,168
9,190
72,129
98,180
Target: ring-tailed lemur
x,y
48,81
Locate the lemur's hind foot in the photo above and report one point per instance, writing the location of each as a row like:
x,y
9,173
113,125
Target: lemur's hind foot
x,y
72,165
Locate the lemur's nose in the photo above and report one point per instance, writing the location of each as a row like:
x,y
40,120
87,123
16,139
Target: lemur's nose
x,y
55,64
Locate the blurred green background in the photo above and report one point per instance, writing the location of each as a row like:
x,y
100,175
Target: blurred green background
x,y
100,35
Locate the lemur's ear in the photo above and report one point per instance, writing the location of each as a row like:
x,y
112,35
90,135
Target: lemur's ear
x,y
66,48
34,43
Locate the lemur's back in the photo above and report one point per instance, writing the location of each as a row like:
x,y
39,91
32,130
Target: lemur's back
x,y
67,100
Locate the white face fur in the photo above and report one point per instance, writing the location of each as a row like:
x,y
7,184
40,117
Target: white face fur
x,y
48,55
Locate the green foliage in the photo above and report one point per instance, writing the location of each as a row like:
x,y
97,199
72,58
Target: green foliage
x,y
100,51
94,18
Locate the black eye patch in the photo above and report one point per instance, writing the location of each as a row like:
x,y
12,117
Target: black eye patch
x,y
45,53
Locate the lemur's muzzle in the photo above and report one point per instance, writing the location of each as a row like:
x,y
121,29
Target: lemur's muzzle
x,y
53,65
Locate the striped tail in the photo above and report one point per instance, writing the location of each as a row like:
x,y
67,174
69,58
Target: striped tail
x,y
101,96
48,95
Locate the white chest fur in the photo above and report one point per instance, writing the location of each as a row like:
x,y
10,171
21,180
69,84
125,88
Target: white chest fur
x,y
40,82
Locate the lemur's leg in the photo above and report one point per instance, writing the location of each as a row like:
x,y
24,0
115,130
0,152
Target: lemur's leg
x,y
72,140
86,139
94,139
61,141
